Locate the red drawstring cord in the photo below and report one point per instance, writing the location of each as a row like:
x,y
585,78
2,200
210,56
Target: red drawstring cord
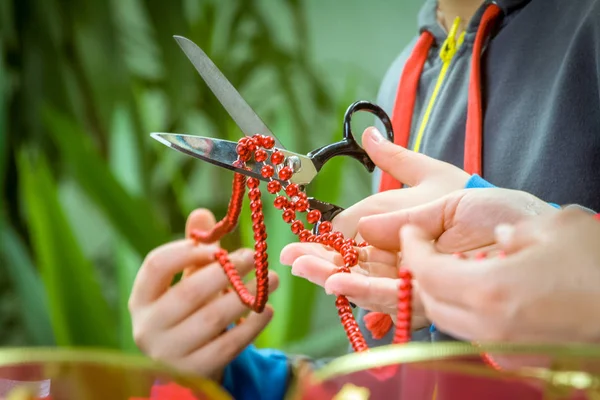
x,y
406,97
474,129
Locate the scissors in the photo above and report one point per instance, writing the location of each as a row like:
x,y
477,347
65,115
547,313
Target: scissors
x,y
223,152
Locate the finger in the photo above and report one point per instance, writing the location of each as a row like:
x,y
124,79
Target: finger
x,y
210,321
404,165
378,263
189,294
200,220
162,264
293,251
221,351
314,269
376,294
444,276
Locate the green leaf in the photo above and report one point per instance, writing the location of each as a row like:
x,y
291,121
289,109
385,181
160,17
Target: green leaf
x,y
79,313
132,217
27,284
125,163
127,263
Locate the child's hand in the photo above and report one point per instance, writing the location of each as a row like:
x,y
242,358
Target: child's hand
x,y
184,325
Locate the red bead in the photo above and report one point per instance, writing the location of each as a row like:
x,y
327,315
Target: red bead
x,y
351,242
274,187
252,183
404,296
302,205
346,247
277,158
325,227
251,145
259,227
285,173
291,189
243,153
289,215
304,235
260,236
257,216
313,216
254,194
351,258
297,227
260,246
258,139
255,205
302,196
280,202
220,252
268,142
291,204
404,284
337,244
403,273
260,155
481,255
267,171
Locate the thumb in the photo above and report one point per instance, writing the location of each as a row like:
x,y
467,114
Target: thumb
x,y
417,246
202,220
404,165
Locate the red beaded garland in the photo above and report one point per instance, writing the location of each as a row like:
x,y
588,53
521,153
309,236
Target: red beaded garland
x,y
256,146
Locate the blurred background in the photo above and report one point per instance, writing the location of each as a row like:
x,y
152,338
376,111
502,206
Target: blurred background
x,y
87,193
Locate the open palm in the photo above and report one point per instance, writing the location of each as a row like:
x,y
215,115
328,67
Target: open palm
x,y
462,221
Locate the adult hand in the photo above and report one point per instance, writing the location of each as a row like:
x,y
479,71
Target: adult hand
x,y
545,290
184,325
458,222
374,287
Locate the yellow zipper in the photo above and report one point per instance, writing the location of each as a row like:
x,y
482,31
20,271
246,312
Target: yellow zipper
x,y
449,48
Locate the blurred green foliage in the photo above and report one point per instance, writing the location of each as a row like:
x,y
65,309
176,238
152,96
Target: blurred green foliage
x,y
87,193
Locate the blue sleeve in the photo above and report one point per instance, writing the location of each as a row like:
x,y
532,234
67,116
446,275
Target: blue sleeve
x,y
477,182
258,374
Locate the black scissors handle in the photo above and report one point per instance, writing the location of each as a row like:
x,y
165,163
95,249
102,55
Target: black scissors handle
x,y
348,145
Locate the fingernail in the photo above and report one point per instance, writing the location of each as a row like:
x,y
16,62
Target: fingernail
x,y
504,233
376,136
297,272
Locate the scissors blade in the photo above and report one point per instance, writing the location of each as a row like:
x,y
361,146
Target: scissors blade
x,y
223,153
232,101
